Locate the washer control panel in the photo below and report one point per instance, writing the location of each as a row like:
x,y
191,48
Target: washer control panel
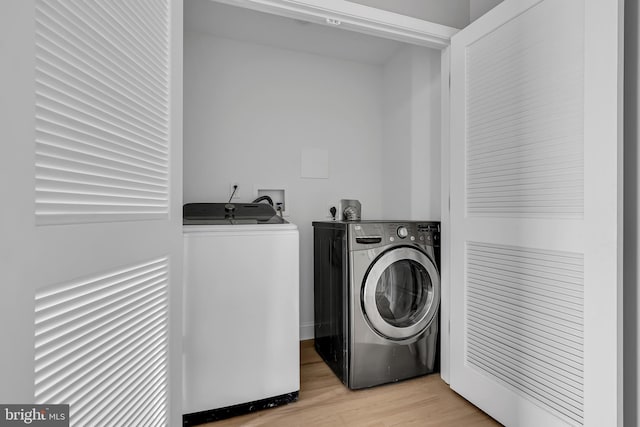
x,y
374,234
430,232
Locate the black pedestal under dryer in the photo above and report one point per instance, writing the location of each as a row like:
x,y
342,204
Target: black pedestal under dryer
x,y
376,299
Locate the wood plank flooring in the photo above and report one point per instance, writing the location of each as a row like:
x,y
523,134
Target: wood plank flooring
x,y
325,401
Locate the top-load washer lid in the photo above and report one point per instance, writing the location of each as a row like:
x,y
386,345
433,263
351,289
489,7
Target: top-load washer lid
x,y
230,213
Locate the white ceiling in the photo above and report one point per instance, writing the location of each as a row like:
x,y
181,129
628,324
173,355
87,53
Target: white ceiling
x,y
237,23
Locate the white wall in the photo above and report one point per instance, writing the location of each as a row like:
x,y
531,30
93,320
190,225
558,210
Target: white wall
x,y
397,109
631,217
249,112
425,135
411,129
251,109
453,13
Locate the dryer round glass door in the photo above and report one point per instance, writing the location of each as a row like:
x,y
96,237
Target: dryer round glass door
x,y
401,293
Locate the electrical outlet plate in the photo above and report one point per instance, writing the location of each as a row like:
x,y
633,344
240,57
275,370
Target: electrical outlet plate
x,y
328,211
235,196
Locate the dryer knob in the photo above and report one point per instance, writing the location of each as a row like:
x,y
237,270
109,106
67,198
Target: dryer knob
x,y
402,232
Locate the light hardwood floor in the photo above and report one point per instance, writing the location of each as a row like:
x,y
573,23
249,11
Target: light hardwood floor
x,y
325,401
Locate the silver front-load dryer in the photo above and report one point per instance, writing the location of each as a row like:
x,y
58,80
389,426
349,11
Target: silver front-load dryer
x,y
391,301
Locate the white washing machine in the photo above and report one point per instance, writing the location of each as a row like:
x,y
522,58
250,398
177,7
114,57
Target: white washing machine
x,y
241,315
376,299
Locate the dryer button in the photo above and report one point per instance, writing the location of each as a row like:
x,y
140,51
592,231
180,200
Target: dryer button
x,y
402,232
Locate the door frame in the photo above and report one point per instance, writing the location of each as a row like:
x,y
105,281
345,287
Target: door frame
x,y
356,17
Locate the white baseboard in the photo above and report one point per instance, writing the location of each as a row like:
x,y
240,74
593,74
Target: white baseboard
x,y
306,331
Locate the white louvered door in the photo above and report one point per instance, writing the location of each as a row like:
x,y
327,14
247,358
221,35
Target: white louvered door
x,y
90,179
536,213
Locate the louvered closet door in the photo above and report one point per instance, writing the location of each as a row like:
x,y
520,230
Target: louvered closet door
x,y
90,178
536,213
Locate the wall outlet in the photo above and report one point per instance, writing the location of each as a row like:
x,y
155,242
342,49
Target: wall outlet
x,y
328,211
234,191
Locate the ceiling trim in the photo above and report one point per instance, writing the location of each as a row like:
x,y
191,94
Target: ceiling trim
x,y
356,17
